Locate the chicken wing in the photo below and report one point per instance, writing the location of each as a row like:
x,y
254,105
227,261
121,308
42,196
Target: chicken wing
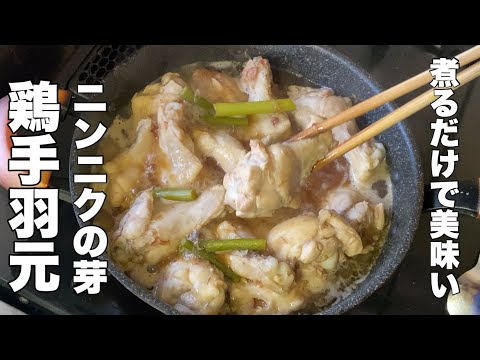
x,y
268,178
136,220
221,146
230,230
153,238
173,162
216,86
126,170
269,289
307,238
257,82
192,286
316,105
316,245
180,166
264,180
366,218
146,102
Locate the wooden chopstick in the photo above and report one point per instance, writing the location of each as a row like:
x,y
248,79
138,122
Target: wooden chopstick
x,y
394,117
382,98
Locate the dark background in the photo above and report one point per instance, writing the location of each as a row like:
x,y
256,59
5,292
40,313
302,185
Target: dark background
x,y
407,292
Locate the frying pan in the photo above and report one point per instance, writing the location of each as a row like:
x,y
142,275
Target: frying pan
x,y
321,66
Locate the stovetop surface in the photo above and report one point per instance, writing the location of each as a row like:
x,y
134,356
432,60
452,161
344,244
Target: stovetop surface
x,y
408,290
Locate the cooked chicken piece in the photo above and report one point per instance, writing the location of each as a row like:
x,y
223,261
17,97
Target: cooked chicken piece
x,y
309,239
257,79
315,245
137,218
125,170
145,103
168,227
267,270
257,82
268,178
316,105
181,164
221,146
312,278
192,286
332,225
364,158
178,220
270,287
131,225
342,199
216,86
176,163
264,180
296,239
229,230
253,299
366,218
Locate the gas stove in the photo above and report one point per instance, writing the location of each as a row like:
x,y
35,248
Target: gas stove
x,y
407,291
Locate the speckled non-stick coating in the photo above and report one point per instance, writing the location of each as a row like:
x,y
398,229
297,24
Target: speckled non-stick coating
x,y
320,65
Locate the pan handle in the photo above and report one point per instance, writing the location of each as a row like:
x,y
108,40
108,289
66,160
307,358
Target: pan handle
x,y
467,201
